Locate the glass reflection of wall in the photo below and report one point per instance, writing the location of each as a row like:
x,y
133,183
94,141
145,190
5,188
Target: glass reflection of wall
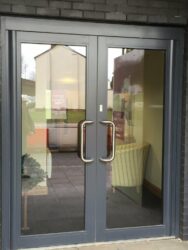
x,y
135,105
53,104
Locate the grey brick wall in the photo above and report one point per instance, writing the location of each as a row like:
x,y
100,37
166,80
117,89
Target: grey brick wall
x,y
147,11
171,12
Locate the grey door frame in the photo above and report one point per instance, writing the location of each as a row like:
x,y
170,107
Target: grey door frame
x,y
173,41
18,240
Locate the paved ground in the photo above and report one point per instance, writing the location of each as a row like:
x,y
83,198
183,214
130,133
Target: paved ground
x,y
151,244
62,195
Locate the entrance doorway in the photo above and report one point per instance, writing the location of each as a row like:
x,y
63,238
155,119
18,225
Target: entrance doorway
x,y
91,148
55,129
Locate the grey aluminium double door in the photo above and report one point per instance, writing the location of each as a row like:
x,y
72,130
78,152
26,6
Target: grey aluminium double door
x,y
92,138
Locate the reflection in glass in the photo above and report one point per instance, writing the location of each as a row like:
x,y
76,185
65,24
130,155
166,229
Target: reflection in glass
x,y
53,104
135,105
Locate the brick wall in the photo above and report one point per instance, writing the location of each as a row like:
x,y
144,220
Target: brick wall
x,y
163,12
142,11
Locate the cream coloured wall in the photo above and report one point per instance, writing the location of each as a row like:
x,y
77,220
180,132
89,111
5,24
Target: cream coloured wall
x,y
153,113
146,72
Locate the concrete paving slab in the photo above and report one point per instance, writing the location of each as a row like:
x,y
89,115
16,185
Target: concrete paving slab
x,y
149,244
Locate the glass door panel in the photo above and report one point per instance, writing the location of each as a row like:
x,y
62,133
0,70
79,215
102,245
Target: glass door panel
x,y
134,179
53,89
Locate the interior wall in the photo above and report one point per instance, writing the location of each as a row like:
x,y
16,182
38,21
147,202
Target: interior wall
x,y
142,71
153,114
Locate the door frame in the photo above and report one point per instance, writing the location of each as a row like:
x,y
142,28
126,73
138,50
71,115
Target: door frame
x,y
20,241
175,39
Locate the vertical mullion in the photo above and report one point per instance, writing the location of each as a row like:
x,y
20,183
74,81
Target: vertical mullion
x,y
6,145
16,142
91,137
101,139
167,140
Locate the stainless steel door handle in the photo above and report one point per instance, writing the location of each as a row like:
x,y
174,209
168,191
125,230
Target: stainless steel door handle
x,y
113,142
82,142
